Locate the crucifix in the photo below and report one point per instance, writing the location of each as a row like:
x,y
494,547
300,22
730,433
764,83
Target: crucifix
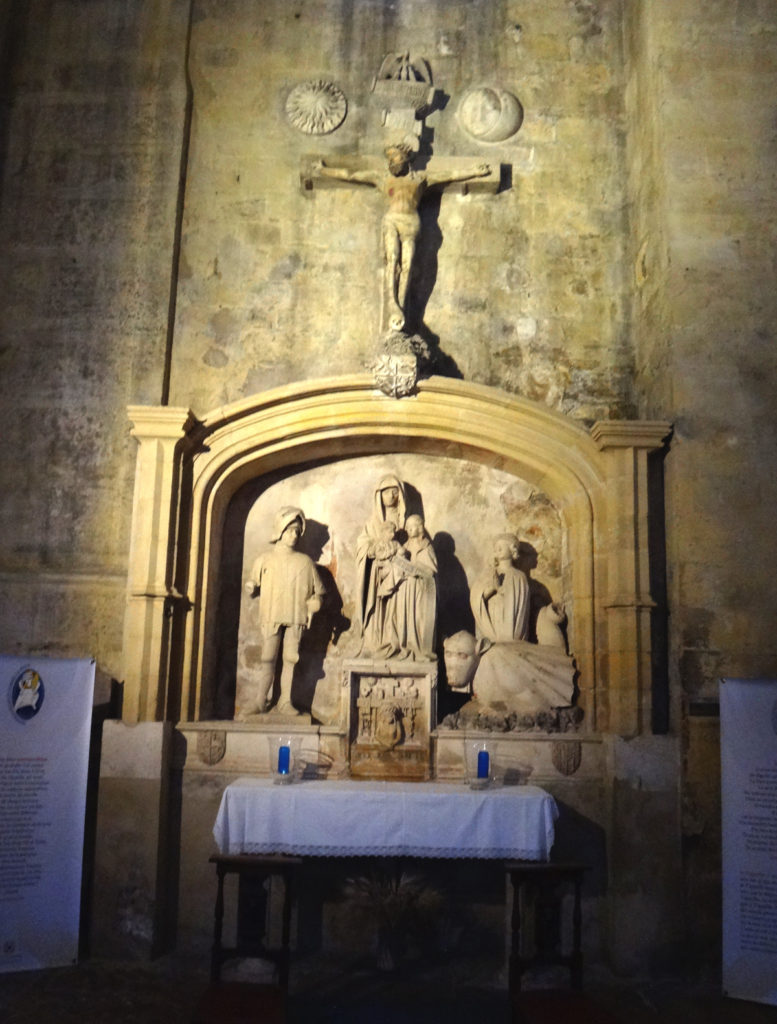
x,y
403,188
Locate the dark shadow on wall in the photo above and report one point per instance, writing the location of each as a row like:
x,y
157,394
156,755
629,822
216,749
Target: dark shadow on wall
x,y
327,626
230,595
539,595
453,608
424,273
109,708
453,614
580,840
14,19
659,616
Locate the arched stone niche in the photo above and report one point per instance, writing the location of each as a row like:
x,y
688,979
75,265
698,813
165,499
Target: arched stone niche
x,y
465,504
190,469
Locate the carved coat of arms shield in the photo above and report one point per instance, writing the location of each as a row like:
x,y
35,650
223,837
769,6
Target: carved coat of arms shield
x,y
396,374
212,745
566,756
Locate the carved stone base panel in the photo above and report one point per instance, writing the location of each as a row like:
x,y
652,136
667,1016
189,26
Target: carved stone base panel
x,y
404,765
391,708
242,747
550,757
330,752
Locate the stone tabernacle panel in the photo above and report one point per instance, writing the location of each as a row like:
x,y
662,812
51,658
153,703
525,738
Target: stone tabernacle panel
x,y
391,711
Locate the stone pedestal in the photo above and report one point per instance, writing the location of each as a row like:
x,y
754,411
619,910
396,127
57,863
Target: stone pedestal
x,y
134,895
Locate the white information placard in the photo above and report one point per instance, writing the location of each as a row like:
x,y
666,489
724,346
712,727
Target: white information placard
x,y
748,745
45,724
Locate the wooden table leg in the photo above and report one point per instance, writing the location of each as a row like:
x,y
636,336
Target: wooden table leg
x,y
218,924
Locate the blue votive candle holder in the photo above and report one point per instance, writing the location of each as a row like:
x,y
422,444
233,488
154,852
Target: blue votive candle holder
x,y
483,764
283,751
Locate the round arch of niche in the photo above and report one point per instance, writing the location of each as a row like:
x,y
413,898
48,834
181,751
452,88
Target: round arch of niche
x,y
190,469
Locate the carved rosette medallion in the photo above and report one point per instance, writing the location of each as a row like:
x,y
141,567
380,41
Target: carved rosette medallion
x,y
212,745
316,107
566,756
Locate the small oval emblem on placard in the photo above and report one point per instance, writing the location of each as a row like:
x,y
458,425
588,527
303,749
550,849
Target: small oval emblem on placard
x,y
26,694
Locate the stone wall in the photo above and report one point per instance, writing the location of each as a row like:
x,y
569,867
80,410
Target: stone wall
x,y
279,284
274,284
701,160
707,353
628,269
93,100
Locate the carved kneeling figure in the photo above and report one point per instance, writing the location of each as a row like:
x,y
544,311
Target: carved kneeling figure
x,y
514,679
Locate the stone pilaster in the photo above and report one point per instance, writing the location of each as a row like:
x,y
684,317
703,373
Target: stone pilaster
x,y
151,594
627,600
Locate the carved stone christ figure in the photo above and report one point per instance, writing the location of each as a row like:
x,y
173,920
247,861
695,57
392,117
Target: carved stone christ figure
x,y
290,593
501,598
403,188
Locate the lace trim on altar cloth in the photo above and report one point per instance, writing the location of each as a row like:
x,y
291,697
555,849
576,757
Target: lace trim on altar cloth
x,y
440,853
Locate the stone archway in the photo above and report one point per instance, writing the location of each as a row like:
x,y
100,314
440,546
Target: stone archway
x,y
188,469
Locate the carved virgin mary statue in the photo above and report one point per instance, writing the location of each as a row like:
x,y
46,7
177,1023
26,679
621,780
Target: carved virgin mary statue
x,y
397,588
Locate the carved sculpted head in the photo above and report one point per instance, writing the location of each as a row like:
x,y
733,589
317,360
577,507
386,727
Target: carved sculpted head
x,y
461,659
506,546
288,525
399,158
415,526
390,497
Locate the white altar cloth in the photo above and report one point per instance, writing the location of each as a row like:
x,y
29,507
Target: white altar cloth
x,y
346,818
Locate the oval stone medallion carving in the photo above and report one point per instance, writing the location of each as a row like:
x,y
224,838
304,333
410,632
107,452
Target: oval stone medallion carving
x,y
489,114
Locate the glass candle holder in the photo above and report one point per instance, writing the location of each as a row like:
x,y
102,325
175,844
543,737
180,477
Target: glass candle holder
x,y
479,762
284,757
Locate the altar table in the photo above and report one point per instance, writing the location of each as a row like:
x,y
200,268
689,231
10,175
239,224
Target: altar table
x,y
346,818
